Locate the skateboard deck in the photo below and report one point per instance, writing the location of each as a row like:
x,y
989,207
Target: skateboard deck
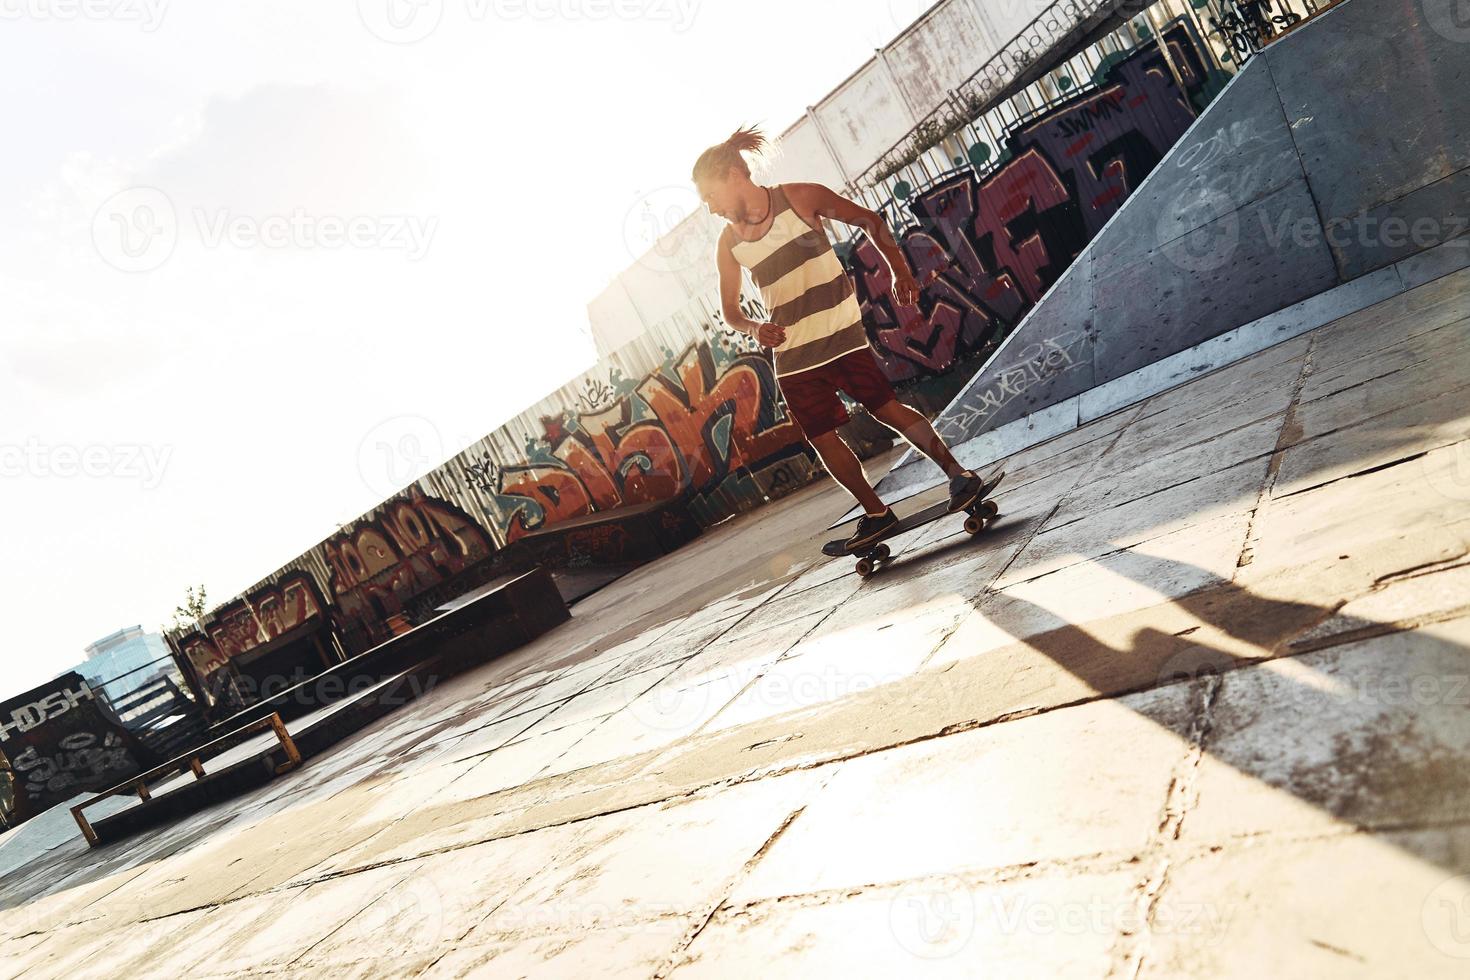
x,y
979,515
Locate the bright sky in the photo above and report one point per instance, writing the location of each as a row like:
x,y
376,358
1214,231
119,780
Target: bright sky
x,y
237,240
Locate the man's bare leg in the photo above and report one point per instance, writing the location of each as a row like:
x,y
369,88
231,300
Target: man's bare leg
x,y
914,427
844,466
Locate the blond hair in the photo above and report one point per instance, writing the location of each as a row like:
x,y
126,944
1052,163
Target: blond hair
x,y
716,161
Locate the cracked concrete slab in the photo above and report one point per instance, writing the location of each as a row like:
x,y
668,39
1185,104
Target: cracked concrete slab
x,y
952,789
617,951
1346,905
1387,718
1064,542
1057,924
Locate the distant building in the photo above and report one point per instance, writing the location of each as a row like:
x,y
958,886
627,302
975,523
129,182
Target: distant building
x,y
126,652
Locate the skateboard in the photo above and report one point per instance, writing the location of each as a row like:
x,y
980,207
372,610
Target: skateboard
x,y
871,556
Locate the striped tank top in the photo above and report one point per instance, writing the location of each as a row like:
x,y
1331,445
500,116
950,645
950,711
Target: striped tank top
x,y
805,288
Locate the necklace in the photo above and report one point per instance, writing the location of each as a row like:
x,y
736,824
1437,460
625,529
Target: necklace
x,y
755,224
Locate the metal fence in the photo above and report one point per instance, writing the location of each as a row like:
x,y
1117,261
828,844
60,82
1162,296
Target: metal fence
x,y
1057,57
153,701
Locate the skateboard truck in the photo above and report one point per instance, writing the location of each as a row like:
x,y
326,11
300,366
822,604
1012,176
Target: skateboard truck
x,y
979,515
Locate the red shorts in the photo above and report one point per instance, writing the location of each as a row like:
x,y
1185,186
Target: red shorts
x,y
811,396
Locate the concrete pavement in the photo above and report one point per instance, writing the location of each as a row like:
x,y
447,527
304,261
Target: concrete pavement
x,y
1199,702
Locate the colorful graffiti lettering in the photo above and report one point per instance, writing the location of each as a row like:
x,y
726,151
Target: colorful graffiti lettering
x,y
257,617
404,547
689,427
988,248
59,739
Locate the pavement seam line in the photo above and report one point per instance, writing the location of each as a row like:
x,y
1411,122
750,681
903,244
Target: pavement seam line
x,y
767,669
1095,863
1086,471
1159,490
691,935
735,621
1364,472
1180,798
1290,429
343,924
1098,862
1426,361
1301,171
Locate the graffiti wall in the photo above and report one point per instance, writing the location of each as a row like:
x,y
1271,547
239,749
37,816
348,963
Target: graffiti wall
x,y
990,246
270,610
703,425
353,583
705,428
405,547
708,423
59,740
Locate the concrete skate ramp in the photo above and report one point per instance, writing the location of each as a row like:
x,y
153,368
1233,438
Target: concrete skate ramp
x,y
1282,189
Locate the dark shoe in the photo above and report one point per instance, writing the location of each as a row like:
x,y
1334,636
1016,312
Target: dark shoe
x,y
870,529
964,490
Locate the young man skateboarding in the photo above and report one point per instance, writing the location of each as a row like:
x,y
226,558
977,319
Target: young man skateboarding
x,y
816,328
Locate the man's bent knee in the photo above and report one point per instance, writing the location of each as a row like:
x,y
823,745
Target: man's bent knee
x,y
826,442
893,413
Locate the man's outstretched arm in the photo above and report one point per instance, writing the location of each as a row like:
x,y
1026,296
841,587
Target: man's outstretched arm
x,y
768,334
824,202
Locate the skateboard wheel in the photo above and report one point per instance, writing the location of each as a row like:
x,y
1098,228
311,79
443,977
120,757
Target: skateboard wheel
x,y
881,553
990,509
974,525
865,567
